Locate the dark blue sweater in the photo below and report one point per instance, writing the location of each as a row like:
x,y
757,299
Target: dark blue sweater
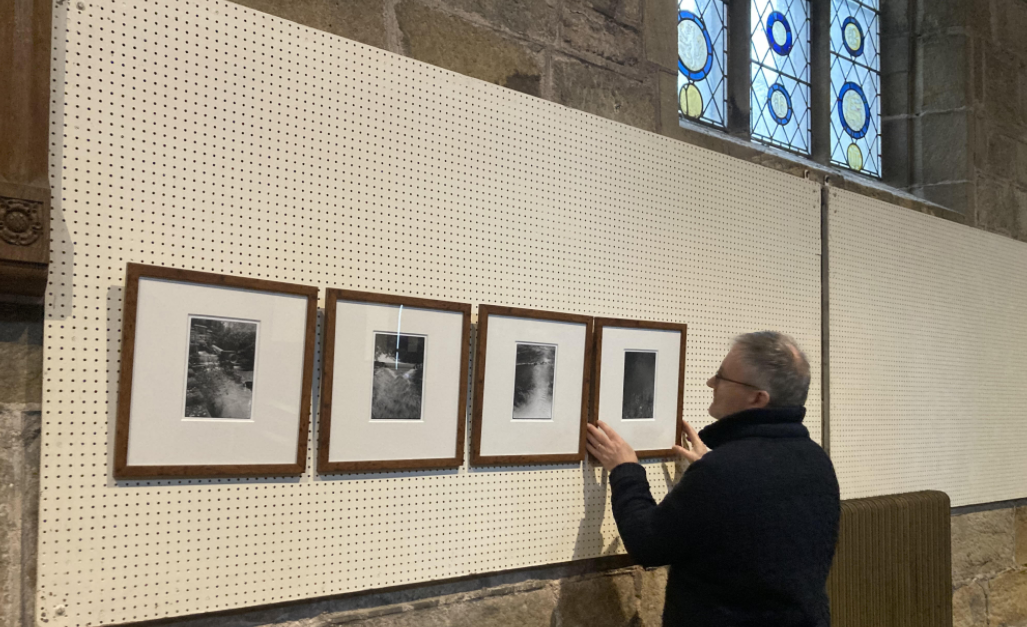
x,y
749,531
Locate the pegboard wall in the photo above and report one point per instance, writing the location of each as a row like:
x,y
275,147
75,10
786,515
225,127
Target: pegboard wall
x,y
206,136
928,355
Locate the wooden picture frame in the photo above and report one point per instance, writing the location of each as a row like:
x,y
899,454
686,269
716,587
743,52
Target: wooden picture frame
x,y
235,287
601,325
485,312
328,363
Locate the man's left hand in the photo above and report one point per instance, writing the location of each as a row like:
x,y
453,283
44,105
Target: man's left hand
x,y
609,448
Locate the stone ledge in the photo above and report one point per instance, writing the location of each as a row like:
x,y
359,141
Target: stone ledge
x,y
782,161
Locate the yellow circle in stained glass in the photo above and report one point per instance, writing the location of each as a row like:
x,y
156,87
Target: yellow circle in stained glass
x,y
855,157
690,101
853,38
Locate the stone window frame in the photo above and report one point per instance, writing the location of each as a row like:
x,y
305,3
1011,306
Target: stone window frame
x,y
894,185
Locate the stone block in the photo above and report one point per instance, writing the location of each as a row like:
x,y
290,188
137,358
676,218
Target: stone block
x,y
982,544
944,61
944,139
895,152
942,15
1001,157
978,144
969,607
590,88
652,596
1021,535
1007,599
667,103
597,601
531,609
1020,196
461,46
1001,90
587,30
624,11
1023,97
21,353
660,33
954,196
1021,163
997,213
534,19
1010,26
977,71
895,94
978,18
895,53
22,379
360,20
895,17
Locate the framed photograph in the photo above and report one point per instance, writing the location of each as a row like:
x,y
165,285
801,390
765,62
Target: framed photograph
x,y
394,376
639,379
531,382
216,375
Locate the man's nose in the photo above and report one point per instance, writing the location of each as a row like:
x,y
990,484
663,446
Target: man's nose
x,y
712,382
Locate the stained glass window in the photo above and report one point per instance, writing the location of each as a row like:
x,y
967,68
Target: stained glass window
x,y
779,100
702,44
855,86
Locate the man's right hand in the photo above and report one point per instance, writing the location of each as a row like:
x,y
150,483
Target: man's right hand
x,y
696,448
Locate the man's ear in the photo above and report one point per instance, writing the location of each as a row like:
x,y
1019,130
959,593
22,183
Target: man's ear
x,y
762,399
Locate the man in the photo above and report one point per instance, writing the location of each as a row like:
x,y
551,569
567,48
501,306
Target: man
x,y
750,530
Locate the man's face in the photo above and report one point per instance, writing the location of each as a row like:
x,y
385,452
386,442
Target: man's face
x,y
730,397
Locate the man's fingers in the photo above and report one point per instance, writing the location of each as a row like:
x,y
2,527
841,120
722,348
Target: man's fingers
x,y
687,454
608,431
599,433
595,453
693,437
596,438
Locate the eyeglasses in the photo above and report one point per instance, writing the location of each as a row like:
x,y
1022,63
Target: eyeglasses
x,y
720,377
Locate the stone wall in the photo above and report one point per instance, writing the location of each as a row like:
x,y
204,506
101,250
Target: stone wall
x,y
21,356
557,597
593,55
998,115
989,565
954,80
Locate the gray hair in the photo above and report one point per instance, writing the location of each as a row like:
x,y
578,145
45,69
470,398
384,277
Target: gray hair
x,y
777,365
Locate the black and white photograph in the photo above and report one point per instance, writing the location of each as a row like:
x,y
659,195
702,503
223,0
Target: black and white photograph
x,y
219,382
398,376
533,381
639,385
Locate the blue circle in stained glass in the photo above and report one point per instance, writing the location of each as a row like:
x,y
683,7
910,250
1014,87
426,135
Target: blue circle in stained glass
x,y
853,110
779,103
691,63
852,36
779,29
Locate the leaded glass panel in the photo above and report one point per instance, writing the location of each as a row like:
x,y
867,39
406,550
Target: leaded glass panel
x,y
702,46
855,86
780,73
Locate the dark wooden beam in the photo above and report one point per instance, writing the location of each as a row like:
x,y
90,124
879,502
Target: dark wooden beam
x,y
24,146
